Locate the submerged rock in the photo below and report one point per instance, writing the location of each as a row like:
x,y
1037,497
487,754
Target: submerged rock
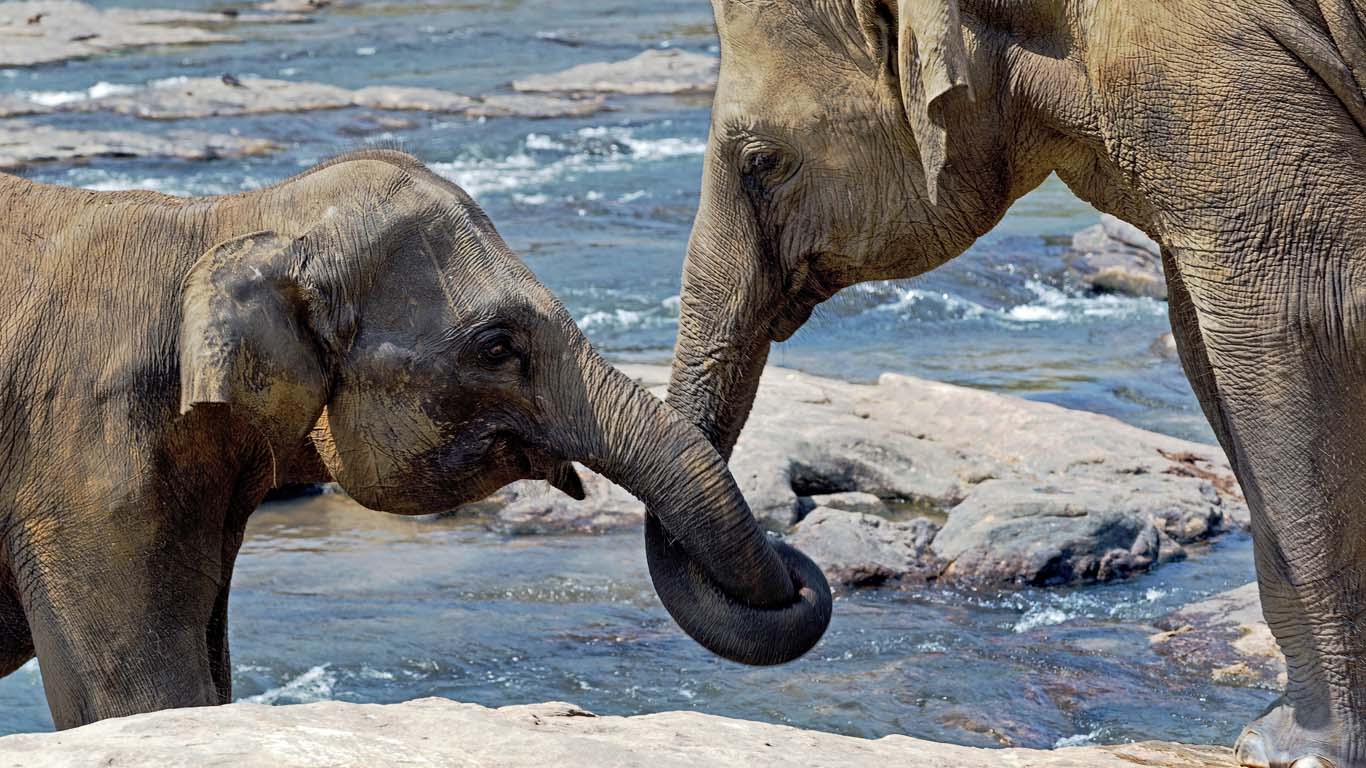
x,y
183,98
1117,257
652,72
442,732
1225,637
23,144
46,31
1026,492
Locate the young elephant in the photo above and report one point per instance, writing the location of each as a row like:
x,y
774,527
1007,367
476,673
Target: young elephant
x,y
165,362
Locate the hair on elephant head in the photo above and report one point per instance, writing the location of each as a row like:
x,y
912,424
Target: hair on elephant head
x,y
439,369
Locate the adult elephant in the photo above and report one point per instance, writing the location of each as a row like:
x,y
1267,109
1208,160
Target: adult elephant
x,y
164,362
856,140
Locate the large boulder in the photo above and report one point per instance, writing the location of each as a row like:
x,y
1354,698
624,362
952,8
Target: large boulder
x,y
1225,637
439,732
652,72
1117,257
45,31
1025,492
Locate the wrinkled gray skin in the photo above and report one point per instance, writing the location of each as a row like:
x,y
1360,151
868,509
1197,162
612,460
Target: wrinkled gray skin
x,y
164,362
858,140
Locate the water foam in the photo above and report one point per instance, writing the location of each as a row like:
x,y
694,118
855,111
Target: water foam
x,y
314,685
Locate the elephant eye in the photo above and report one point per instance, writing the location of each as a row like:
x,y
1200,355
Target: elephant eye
x,y
762,162
496,346
763,165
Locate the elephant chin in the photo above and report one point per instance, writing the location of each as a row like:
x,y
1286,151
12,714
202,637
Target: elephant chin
x,y
733,629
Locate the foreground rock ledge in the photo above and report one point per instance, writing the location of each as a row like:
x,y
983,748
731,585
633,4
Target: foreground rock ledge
x,y
439,732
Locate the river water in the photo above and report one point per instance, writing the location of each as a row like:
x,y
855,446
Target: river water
x,y
332,601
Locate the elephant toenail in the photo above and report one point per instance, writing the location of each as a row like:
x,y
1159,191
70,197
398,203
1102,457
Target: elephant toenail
x,y
1313,761
1251,751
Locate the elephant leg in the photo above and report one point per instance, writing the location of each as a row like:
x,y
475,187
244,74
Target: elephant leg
x,y
121,629
16,642
1290,410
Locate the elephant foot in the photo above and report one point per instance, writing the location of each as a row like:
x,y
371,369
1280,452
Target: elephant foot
x,y
1276,740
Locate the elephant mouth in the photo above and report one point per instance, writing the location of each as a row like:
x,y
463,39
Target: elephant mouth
x,y
526,461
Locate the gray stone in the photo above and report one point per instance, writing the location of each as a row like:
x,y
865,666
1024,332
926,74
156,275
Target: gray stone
x,y
857,549
652,72
418,99
849,501
1117,257
1225,637
439,732
45,31
23,144
182,98
534,106
294,6
17,106
1030,493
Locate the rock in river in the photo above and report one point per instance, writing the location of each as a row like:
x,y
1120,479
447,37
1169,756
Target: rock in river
x,y
183,98
654,71
1025,492
1117,257
23,144
1225,637
443,732
45,31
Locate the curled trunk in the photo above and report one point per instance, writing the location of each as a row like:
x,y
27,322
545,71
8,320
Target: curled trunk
x,y
736,592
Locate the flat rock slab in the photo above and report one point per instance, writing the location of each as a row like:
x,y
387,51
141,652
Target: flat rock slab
x,y
23,144
1117,257
439,732
652,72
1025,492
183,98
46,31
1225,637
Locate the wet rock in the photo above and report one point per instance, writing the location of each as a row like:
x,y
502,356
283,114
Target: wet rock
x,y
534,106
1226,637
183,98
294,6
1029,493
45,31
419,99
179,98
1117,257
652,72
850,501
1081,531
17,106
23,144
442,732
858,549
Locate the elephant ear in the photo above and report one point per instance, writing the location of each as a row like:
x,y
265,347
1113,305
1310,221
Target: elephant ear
x,y
245,338
923,46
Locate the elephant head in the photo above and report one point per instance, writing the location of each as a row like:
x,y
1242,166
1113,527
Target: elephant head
x,y
440,369
850,141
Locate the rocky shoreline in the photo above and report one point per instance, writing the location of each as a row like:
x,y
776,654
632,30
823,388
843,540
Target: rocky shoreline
x,y
440,732
909,481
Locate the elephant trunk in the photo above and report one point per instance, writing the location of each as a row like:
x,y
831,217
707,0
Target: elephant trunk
x,y
727,585
730,298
